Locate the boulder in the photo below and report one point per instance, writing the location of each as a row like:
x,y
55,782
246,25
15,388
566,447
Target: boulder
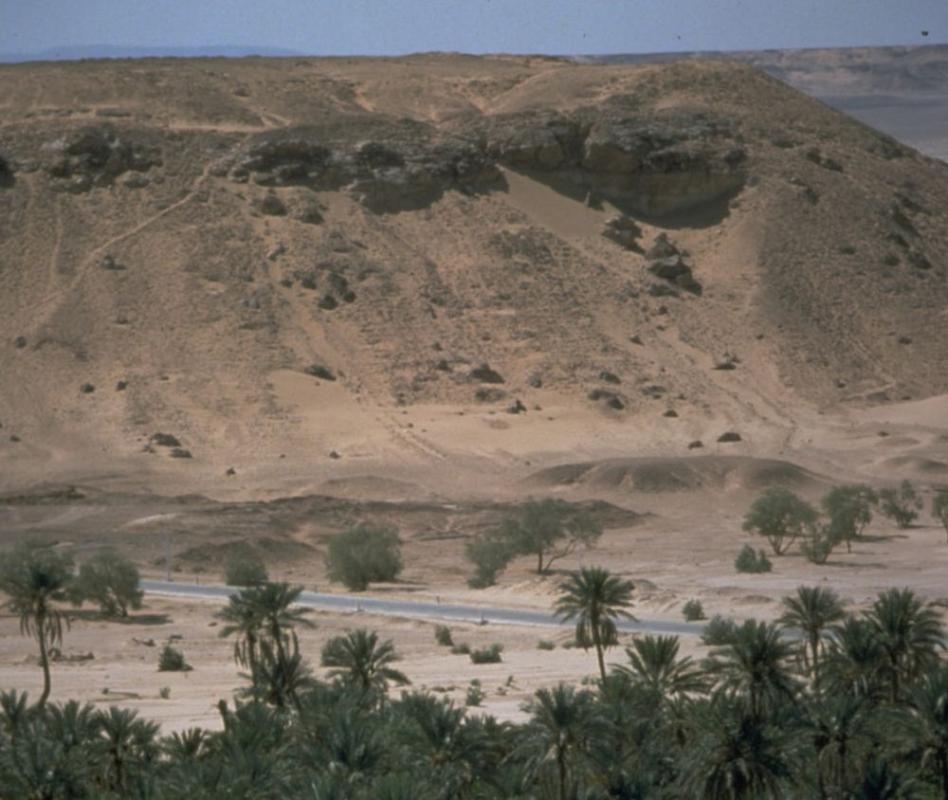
x,y
484,374
624,231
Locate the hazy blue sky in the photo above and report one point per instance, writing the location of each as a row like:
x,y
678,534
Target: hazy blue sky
x,y
536,26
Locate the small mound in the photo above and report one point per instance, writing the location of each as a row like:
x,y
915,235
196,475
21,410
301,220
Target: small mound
x,y
678,474
373,487
917,464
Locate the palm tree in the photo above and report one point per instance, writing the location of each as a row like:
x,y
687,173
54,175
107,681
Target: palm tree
x,y
128,745
654,665
853,660
734,754
926,724
280,676
243,617
34,579
838,724
563,727
595,598
755,662
359,660
812,610
909,631
275,605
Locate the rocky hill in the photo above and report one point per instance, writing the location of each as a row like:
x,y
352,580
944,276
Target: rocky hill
x,y
319,258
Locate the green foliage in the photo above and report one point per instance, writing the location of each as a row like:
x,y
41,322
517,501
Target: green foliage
x,y
849,509
35,579
443,636
693,611
461,649
901,505
245,568
109,580
781,517
747,723
364,554
490,555
475,694
550,529
719,631
750,560
165,692
819,545
940,508
487,655
361,661
545,644
172,660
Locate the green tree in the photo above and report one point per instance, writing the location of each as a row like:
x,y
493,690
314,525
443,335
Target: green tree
x,y
245,568
364,554
655,666
940,508
276,605
595,599
813,610
490,555
280,676
910,633
564,727
734,754
111,581
755,661
840,730
901,505
243,617
853,661
359,660
925,725
36,579
781,517
550,529
849,509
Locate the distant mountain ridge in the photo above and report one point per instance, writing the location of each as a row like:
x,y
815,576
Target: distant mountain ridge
x,y
81,52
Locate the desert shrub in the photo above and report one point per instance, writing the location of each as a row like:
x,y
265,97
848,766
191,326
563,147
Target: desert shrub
x,y
462,649
719,631
109,580
165,692
487,655
546,644
781,517
818,547
172,660
750,560
490,555
549,529
692,610
245,569
475,694
901,505
364,554
443,635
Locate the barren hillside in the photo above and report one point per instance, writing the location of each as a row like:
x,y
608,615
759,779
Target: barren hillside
x,y
344,262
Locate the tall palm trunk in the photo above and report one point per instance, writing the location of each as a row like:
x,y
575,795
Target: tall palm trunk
x,y
561,769
44,659
597,642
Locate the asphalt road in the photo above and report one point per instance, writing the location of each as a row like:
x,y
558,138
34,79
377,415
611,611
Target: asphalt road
x,y
488,615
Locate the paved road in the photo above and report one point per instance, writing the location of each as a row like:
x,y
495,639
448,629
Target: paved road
x,y
422,609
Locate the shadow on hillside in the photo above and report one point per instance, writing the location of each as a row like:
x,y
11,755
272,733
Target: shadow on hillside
x,y
91,615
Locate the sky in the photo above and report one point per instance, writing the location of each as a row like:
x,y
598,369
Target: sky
x,y
390,27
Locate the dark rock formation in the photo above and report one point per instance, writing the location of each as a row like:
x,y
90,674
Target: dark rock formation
x,y
729,436
624,231
484,374
321,372
96,156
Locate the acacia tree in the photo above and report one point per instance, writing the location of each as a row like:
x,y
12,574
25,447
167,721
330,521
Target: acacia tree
x,y
940,508
901,505
550,529
109,580
35,579
849,509
781,517
595,599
